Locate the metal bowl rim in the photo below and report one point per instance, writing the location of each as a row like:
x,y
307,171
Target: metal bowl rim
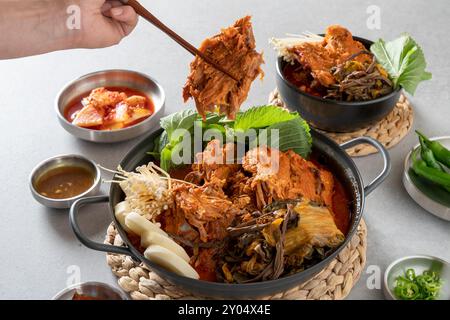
x,y
106,132
93,283
96,182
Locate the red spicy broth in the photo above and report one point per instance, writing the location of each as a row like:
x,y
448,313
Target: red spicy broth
x,y
299,77
341,205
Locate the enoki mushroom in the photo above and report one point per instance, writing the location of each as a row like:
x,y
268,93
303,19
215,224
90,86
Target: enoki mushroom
x,y
148,190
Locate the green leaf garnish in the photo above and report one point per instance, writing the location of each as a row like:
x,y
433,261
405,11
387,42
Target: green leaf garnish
x,y
179,120
170,140
262,117
293,131
292,135
404,61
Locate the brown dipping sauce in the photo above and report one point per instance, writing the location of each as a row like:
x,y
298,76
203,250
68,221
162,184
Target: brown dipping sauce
x,y
64,182
76,105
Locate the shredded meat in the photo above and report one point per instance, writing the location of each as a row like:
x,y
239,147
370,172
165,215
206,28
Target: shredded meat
x,y
320,57
234,50
286,176
266,175
315,57
241,194
216,163
270,174
199,213
340,44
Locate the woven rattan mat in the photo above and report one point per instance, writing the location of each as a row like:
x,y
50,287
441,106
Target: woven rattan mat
x,y
333,283
389,131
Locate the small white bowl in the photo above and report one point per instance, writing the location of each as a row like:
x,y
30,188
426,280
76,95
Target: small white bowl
x,y
112,78
419,263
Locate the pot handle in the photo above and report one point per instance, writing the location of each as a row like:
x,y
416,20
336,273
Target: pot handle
x,y
74,210
386,160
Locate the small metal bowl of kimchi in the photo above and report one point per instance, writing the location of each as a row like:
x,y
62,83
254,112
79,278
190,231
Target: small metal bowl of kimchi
x,y
110,106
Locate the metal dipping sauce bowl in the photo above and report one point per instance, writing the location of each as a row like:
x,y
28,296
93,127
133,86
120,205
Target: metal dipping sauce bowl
x,y
92,289
69,160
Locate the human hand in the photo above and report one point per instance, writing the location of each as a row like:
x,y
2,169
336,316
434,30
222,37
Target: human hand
x,y
39,26
104,23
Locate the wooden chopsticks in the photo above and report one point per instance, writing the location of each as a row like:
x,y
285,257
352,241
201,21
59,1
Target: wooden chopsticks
x,y
144,13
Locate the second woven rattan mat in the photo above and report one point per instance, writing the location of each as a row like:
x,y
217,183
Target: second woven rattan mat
x,y
333,283
389,131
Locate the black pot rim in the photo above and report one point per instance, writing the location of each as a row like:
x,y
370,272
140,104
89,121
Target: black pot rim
x,y
366,42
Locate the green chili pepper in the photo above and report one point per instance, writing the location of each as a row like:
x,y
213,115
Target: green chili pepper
x,y
420,168
406,290
428,156
422,287
440,152
431,274
410,274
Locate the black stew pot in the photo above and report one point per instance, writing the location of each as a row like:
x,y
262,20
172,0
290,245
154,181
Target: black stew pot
x,y
333,115
329,153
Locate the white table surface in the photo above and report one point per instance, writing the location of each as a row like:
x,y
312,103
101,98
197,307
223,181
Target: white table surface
x,y
38,248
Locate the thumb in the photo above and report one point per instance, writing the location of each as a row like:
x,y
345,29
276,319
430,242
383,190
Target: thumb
x,y
126,15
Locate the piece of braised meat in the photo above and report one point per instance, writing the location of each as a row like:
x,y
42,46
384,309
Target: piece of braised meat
x,y
286,175
341,45
234,50
199,214
319,57
215,164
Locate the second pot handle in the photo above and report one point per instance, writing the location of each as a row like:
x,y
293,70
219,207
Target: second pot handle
x,y
384,153
74,209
